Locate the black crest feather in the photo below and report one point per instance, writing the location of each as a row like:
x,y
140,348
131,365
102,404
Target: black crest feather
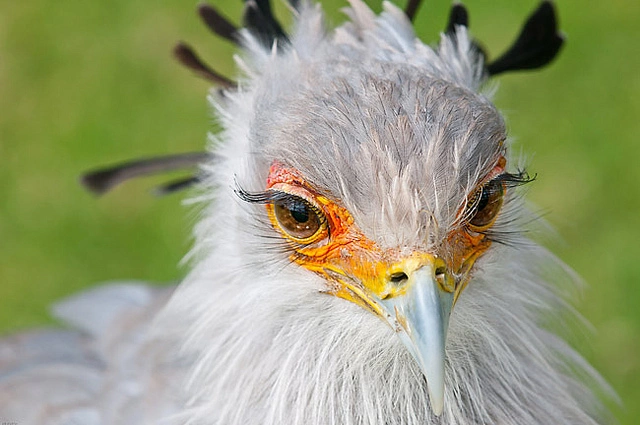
x,y
537,45
457,16
411,9
259,19
188,58
102,180
217,23
178,185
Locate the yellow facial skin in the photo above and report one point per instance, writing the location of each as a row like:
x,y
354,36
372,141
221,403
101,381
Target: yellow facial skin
x,y
354,266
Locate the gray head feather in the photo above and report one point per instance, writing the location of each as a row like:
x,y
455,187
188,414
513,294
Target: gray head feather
x,y
399,133
373,97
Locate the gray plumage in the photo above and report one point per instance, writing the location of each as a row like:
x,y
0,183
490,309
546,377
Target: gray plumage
x,y
398,133
108,370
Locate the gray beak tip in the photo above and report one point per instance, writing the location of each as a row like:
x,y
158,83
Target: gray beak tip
x,y
437,404
426,308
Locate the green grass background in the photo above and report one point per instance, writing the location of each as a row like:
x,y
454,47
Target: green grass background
x,y
84,84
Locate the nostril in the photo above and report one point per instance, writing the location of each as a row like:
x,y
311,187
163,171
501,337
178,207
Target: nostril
x,y
398,278
440,272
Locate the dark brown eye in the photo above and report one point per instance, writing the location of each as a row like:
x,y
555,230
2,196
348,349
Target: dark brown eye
x,y
486,203
297,217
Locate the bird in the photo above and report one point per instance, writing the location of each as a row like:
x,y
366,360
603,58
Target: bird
x,y
361,254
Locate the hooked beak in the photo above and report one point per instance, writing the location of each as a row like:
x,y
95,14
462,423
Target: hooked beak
x,y
420,316
414,296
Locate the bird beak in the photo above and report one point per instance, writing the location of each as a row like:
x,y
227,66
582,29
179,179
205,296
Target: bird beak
x,y
420,316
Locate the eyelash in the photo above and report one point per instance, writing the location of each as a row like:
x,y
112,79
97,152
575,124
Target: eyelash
x,y
270,196
275,197
266,197
514,179
510,180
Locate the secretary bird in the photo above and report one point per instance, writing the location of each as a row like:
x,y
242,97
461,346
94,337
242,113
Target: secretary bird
x,y
361,255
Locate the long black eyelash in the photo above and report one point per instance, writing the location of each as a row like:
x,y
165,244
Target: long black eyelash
x,y
259,228
278,197
266,197
274,197
505,237
509,179
515,179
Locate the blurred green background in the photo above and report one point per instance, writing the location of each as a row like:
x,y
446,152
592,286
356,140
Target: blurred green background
x,y
85,84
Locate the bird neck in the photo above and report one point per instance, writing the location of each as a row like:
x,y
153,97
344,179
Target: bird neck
x,y
270,348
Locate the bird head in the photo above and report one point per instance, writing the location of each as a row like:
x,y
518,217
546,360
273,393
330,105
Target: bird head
x,y
386,185
378,166
360,164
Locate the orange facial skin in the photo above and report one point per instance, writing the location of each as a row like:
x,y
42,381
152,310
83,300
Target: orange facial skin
x,y
467,244
354,265
466,248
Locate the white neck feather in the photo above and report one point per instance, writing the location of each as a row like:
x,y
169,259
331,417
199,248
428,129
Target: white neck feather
x,y
270,348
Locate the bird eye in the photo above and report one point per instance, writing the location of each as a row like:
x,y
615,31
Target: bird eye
x,y
485,204
298,218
